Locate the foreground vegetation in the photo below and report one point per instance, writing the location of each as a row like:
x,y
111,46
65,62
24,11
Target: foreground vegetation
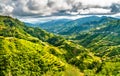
x,y
31,51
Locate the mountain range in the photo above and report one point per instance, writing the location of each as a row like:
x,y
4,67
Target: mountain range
x,y
67,27
91,49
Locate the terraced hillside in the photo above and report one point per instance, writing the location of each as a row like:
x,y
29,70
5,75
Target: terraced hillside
x,y
32,51
104,42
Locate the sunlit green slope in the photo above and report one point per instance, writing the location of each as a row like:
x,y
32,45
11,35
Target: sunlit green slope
x,y
30,51
104,41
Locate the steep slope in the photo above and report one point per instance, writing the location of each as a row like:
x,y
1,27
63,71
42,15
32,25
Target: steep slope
x,y
104,41
105,35
31,51
21,57
12,27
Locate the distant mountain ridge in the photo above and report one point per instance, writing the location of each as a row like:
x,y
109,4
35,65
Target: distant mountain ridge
x,y
84,24
51,25
68,27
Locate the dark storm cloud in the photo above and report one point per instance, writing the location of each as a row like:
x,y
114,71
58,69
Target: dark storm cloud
x,y
115,8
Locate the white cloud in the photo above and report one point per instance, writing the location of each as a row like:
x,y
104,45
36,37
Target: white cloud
x,y
44,19
57,7
98,10
116,15
98,2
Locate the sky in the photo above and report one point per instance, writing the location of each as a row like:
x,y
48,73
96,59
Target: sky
x,y
35,10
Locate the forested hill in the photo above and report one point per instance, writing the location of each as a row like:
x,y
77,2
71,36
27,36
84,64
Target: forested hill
x,y
32,51
104,41
69,27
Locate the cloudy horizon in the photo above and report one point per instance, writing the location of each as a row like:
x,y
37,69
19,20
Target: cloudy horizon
x,y
56,8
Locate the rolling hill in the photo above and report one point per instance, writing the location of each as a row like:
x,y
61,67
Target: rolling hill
x,y
84,24
69,27
104,42
105,36
32,51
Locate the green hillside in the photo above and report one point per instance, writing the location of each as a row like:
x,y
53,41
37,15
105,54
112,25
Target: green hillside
x,y
105,37
28,51
104,43
31,51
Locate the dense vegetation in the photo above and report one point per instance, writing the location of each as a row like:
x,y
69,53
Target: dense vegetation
x,y
104,42
31,51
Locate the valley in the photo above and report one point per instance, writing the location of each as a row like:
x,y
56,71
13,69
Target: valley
x,y
84,47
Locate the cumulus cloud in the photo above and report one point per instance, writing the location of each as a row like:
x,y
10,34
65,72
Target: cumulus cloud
x,y
5,9
58,7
